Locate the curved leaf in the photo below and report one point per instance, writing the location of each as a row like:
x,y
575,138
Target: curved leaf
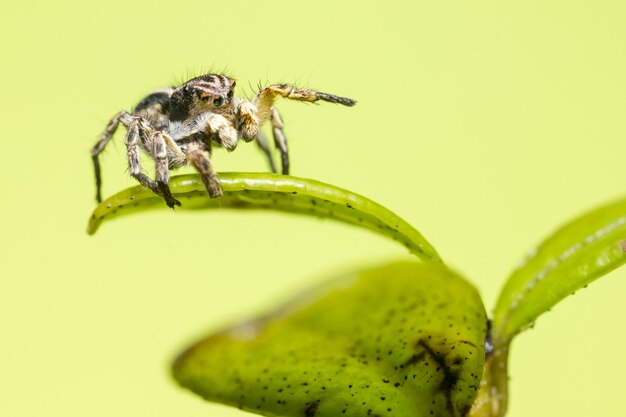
x,y
406,339
575,255
275,192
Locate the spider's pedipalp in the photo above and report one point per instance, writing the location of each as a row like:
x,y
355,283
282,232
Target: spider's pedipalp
x,y
247,120
222,130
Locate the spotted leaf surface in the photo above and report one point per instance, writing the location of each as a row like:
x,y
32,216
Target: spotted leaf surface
x,y
575,255
405,339
273,192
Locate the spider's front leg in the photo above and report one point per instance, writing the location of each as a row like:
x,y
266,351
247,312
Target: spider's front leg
x,y
200,158
264,100
264,103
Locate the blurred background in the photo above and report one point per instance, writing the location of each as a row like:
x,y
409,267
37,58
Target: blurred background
x,y
485,125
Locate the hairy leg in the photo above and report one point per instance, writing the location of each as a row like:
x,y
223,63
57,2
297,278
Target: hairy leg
x,y
200,159
132,147
162,175
261,140
280,140
265,98
105,137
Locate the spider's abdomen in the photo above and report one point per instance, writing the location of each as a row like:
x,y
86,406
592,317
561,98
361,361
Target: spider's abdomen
x,y
155,107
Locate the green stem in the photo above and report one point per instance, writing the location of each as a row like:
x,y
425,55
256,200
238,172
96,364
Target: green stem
x,y
275,192
493,394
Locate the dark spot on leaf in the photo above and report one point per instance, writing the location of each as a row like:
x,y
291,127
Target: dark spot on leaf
x,y
311,409
467,342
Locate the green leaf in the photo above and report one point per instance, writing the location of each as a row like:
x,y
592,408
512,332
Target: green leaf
x,y
575,255
405,339
276,192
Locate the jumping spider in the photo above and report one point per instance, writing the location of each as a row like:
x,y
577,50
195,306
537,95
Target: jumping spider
x,y
180,125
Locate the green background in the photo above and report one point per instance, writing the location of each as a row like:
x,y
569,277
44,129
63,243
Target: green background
x,y
485,124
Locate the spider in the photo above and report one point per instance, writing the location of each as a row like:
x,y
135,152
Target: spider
x,y
180,125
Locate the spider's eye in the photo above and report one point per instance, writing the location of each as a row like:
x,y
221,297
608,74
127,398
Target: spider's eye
x,y
229,96
218,101
205,98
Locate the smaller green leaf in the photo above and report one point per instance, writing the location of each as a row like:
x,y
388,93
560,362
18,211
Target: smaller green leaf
x,y
406,339
575,255
275,192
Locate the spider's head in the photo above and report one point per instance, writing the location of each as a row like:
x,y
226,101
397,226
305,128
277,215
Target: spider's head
x,y
210,92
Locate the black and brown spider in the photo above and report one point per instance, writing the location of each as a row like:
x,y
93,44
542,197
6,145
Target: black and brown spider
x,y
179,126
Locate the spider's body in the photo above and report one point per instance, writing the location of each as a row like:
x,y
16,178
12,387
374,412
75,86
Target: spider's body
x,y
179,126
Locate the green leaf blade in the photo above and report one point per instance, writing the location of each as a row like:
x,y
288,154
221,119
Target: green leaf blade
x,y
406,339
574,256
274,192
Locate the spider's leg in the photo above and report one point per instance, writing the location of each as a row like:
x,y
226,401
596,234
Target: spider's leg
x,y
280,140
261,140
264,100
132,147
149,132
105,137
200,159
162,175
